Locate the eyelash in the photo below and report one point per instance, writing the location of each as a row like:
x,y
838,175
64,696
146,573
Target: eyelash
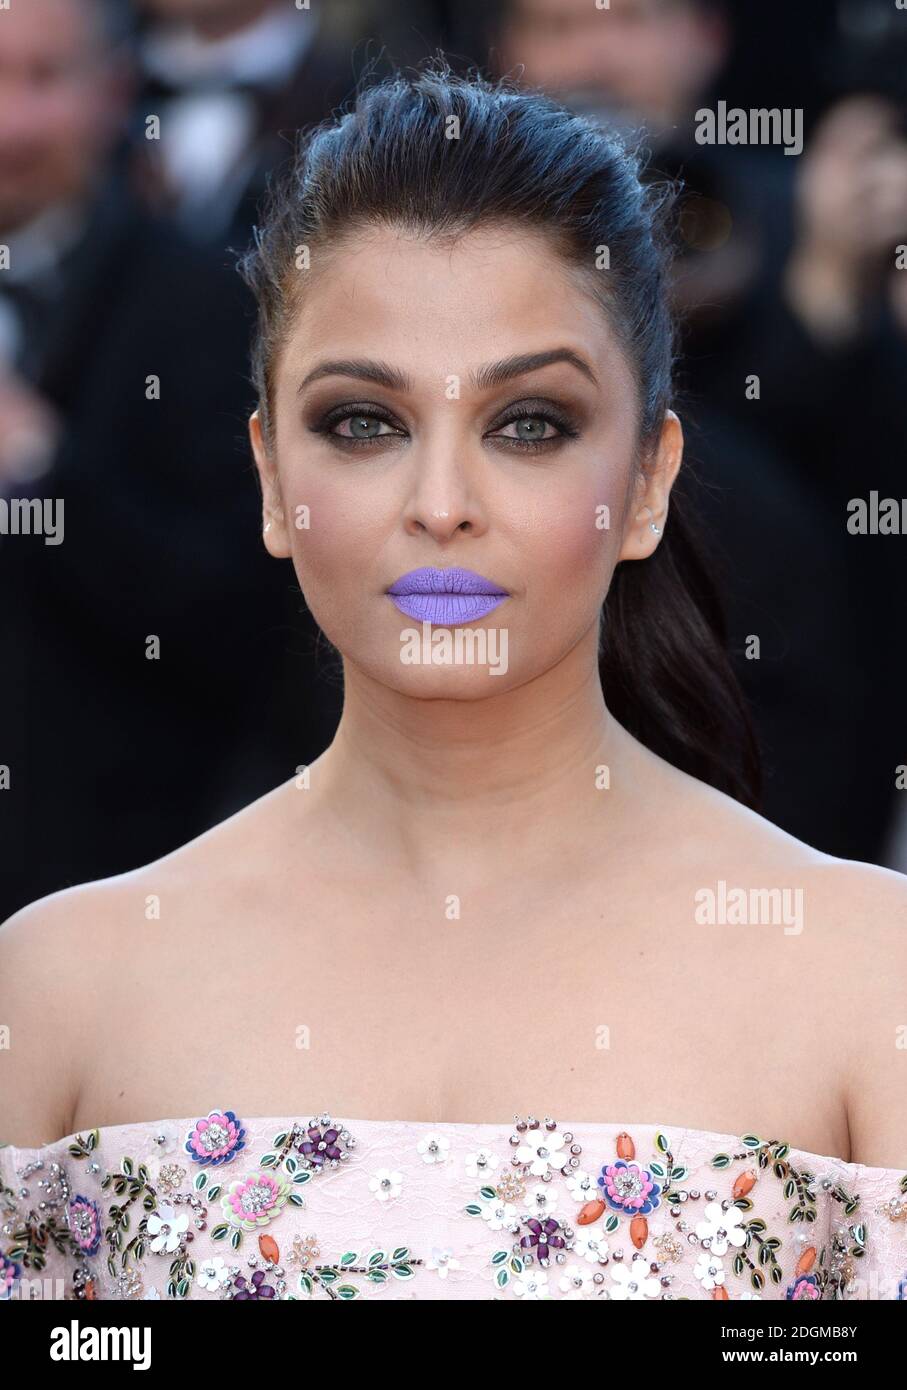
x,y
543,411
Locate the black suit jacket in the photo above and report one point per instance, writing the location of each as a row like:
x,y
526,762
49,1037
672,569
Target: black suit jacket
x,y
116,758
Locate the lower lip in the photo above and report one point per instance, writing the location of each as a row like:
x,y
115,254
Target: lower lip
x,y
446,610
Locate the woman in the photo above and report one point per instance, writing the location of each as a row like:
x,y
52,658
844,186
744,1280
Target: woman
x,y
521,878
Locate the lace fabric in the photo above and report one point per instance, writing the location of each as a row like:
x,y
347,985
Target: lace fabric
x,y
218,1206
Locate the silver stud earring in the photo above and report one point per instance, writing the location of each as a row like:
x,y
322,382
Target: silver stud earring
x,y
656,529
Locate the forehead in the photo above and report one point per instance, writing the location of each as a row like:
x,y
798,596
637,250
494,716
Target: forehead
x,y
438,305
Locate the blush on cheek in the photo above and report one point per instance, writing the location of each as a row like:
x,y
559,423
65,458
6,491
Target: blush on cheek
x,y
323,531
583,537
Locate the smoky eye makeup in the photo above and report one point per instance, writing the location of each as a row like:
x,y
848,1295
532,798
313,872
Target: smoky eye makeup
x,y
538,424
360,419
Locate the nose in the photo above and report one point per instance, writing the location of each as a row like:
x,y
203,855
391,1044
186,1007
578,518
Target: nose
x,y
444,493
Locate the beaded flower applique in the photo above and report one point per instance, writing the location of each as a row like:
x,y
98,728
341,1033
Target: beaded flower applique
x,y
624,1196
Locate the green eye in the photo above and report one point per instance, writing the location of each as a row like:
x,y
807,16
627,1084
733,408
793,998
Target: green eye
x,y
362,427
531,427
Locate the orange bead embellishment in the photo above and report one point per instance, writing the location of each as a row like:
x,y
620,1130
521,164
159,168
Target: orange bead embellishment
x,y
744,1184
806,1260
720,1292
589,1212
625,1146
268,1247
639,1231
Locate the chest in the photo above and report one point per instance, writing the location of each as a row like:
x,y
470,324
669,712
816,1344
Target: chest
x,y
469,1006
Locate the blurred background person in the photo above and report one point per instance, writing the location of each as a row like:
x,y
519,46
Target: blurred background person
x,y
231,81
776,279
124,396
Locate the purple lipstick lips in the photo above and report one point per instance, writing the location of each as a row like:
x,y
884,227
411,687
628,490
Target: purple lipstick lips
x,y
445,597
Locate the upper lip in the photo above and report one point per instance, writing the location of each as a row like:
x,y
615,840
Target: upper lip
x,y
447,581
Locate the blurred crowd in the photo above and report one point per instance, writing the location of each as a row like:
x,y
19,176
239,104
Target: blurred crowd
x,y
158,670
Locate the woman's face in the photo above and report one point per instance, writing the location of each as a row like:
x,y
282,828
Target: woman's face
x,y
409,435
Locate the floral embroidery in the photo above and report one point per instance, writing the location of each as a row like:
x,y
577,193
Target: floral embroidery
x,y
376,1268
542,1238
9,1273
39,1229
629,1188
539,1236
166,1230
433,1148
171,1177
896,1207
481,1164
581,1186
255,1200
625,1227
442,1261
305,1250
322,1146
217,1138
805,1287
577,1282
386,1184
254,1287
541,1153
709,1270
531,1284
633,1282
85,1224
719,1229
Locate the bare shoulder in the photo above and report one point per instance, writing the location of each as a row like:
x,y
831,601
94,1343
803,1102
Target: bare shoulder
x,y
841,962
862,911
52,964
63,955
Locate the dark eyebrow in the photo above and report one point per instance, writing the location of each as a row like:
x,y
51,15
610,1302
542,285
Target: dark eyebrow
x,y
492,374
495,373
363,370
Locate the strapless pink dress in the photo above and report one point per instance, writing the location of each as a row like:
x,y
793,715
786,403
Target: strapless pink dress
x,y
221,1206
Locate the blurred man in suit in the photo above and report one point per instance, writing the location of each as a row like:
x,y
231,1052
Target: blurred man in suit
x,y
149,643
230,82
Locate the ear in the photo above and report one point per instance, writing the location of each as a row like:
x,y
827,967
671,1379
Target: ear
x,y
649,506
274,530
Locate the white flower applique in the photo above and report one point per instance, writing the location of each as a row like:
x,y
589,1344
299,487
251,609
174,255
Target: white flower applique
x,y
433,1148
166,1228
633,1281
576,1281
541,1150
442,1261
720,1229
386,1184
481,1164
709,1270
213,1273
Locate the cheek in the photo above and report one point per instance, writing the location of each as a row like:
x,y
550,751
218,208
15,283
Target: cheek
x,y
333,536
577,539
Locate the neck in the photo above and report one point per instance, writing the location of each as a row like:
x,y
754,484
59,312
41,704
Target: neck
x,y
514,774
